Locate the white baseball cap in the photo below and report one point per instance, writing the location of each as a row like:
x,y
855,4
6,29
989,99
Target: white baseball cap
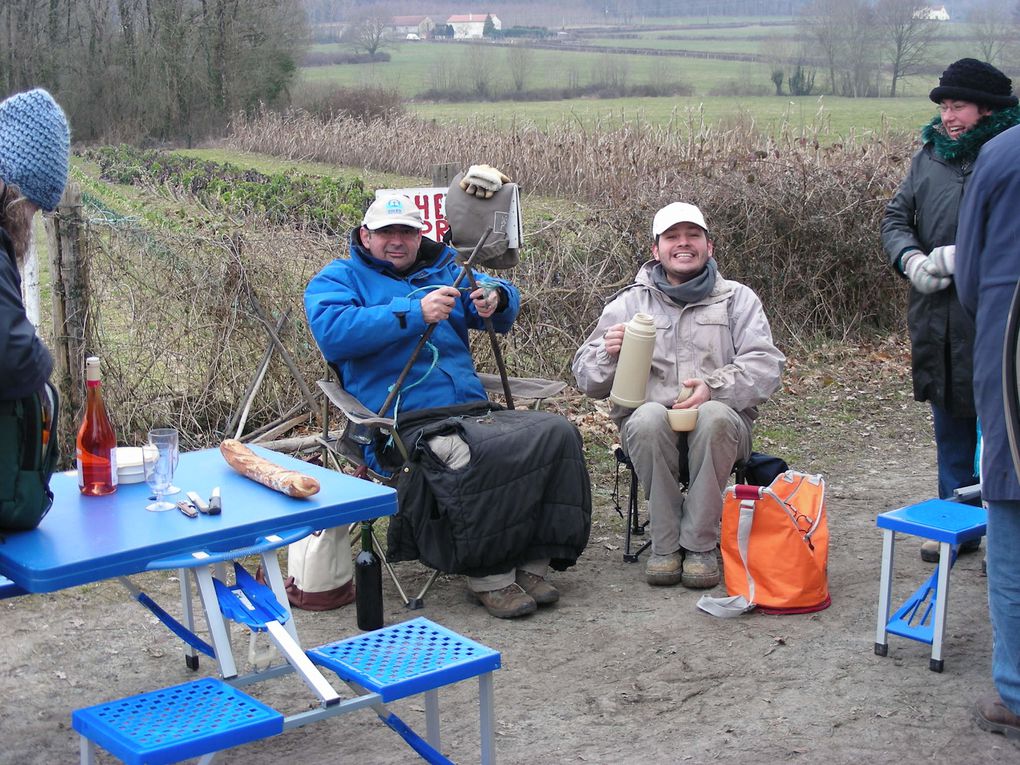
x,y
392,210
678,212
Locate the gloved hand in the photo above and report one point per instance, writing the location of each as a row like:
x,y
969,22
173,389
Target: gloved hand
x,y
483,181
923,273
944,259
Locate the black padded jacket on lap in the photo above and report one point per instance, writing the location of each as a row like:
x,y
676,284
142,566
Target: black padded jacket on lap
x,y
525,495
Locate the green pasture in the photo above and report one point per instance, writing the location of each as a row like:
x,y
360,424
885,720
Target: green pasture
x,y
415,67
831,116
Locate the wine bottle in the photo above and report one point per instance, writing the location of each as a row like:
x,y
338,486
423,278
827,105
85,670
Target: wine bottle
x,y
368,583
96,444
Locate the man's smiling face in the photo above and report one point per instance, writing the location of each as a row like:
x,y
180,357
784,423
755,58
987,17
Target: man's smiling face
x,y
683,249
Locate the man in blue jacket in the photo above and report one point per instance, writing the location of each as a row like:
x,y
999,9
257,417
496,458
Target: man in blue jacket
x,y
987,270
367,314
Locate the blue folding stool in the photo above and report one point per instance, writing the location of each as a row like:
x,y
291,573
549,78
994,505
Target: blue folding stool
x,y
922,616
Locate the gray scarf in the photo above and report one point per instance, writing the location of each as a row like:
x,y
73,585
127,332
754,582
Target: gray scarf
x,y
692,290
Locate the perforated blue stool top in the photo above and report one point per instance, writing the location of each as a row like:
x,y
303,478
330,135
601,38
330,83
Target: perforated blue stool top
x,y
177,723
938,519
407,658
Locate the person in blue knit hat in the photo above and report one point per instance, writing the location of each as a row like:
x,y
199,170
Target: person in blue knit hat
x,y
34,148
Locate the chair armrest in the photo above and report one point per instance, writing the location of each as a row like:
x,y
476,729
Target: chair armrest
x,y
526,388
353,409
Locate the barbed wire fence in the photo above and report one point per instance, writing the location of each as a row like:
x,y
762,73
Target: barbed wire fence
x,y
180,323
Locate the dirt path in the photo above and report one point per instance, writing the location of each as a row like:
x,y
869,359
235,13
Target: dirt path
x,y
618,671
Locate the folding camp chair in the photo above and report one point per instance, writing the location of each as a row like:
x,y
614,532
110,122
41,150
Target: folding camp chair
x,y
758,470
362,423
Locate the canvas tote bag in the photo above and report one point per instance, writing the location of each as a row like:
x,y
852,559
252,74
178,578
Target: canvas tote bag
x,y
320,573
775,548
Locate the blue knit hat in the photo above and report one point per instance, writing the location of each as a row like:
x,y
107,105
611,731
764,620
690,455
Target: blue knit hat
x,y
34,146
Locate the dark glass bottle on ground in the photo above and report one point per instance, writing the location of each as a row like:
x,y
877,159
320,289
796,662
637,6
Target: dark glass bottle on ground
x,y
368,583
96,444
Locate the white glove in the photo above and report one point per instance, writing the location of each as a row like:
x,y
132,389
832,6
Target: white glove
x,y
923,274
944,259
483,181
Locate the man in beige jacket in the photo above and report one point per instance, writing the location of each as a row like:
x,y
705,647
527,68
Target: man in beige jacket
x,y
714,352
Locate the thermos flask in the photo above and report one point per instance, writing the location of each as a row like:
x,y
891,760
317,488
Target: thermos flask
x,y
634,363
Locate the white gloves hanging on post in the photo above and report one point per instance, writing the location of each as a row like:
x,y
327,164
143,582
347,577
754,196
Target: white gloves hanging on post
x,y
930,273
483,181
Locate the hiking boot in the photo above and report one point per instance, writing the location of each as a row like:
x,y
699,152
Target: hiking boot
x,y
537,587
664,570
992,715
930,549
508,603
701,570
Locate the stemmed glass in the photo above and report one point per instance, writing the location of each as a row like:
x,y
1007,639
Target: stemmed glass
x,y
171,435
159,460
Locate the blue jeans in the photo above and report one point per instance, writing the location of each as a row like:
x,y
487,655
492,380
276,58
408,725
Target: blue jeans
x,y
1003,557
955,444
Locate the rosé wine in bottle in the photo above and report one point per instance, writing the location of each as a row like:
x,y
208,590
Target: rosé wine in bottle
x,y
96,445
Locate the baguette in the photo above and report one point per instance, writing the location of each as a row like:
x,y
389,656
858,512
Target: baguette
x,y
250,465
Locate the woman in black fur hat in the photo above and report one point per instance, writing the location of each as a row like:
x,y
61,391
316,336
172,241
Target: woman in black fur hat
x,y
976,103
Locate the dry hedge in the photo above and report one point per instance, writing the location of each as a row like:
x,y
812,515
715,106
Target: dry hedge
x,y
175,319
794,215
175,315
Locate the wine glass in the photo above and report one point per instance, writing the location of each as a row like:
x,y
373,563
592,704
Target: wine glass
x,y
172,435
157,461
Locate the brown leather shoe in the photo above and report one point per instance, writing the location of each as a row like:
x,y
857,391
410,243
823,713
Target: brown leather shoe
x,y
701,570
508,603
664,570
992,715
537,587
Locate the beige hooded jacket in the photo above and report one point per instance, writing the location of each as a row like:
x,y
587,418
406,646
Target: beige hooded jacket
x,y
724,340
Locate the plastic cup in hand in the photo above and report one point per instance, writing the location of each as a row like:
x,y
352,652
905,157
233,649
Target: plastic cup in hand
x,y
157,461
172,435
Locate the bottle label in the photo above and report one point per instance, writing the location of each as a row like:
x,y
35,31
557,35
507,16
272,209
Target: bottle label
x,y
81,472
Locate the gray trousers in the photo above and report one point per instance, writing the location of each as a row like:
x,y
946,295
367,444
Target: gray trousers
x,y
720,438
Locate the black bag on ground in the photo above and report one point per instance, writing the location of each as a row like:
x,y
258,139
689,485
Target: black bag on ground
x,y
28,457
762,469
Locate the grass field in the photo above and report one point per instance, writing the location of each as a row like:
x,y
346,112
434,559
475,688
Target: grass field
x,y
418,66
835,116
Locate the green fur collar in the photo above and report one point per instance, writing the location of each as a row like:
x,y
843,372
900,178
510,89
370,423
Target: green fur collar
x,y
967,146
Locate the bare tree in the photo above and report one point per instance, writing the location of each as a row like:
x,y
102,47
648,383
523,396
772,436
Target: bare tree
x,y
843,36
994,29
520,61
367,30
908,37
477,69
125,70
820,23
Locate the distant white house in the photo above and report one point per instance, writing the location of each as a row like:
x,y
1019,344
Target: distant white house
x,y
932,12
421,26
471,25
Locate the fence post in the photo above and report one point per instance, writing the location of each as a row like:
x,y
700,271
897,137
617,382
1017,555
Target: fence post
x,y
442,175
65,236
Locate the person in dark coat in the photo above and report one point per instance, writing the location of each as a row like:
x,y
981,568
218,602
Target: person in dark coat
x,y
976,103
987,271
34,149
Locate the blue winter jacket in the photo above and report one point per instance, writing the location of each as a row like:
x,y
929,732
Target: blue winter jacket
x,y
367,319
987,270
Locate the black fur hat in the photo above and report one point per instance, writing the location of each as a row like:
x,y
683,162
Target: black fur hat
x,y
976,81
